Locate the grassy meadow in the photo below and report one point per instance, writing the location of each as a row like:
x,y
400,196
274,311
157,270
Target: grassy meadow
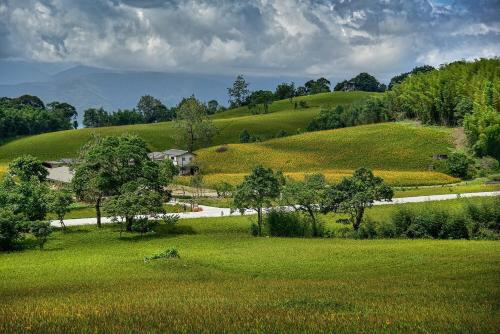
x,y
90,280
161,136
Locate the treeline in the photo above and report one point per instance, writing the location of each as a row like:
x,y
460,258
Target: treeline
x,y
28,115
148,110
259,100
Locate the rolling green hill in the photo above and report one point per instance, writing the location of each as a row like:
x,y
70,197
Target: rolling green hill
x,y
401,152
161,136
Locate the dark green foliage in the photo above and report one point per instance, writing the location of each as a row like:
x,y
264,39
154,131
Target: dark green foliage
x,y
259,101
281,133
152,110
60,203
321,85
143,225
305,196
362,82
10,235
245,136
254,230
195,129
281,223
213,107
27,167
400,78
27,115
285,91
41,230
372,110
224,189
459,164
483,217
354,194
257,191
238,93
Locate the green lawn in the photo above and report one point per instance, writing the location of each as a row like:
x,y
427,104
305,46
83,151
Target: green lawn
x,y
161,136
90,280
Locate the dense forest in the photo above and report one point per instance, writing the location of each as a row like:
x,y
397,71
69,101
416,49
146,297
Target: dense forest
x,y
28,115
460,93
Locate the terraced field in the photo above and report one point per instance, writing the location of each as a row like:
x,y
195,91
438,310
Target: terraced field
x,y
161,136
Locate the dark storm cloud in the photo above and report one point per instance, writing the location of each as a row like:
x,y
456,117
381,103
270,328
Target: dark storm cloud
x,y
289,37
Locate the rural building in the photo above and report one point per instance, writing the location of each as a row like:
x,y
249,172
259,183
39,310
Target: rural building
x,y
180,158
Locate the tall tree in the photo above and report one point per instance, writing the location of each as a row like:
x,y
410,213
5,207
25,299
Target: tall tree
x,y
257,191
238,92
106,164
305,196
153,110
195,128
354,194
260,98
285,91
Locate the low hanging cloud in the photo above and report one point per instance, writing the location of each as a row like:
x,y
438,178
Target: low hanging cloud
x,y
286,37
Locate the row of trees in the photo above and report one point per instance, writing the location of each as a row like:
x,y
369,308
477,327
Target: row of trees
x,y
148,110
362,82
28,115
264,187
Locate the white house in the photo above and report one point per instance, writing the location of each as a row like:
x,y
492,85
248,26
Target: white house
x,y
180,158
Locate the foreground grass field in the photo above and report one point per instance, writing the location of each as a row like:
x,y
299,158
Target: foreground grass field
x,y
90,281
161,136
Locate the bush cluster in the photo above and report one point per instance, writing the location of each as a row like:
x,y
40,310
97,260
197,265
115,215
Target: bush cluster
x,y
282,223
475,221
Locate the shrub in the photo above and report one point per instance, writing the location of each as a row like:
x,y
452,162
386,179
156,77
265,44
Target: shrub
x,y
171,253
303,104
282,223
143,225
487,165
170,220
459,164
282,133
386,230
254,229
10,234
455,228
367,230
41,231
244,136
483,216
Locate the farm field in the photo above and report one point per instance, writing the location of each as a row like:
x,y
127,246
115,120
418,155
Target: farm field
x,y
161,136
90,280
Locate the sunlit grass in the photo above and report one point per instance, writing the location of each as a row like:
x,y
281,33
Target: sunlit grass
x,y
90,280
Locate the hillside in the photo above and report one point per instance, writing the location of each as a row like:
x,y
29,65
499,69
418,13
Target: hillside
x,y
401,152
161,136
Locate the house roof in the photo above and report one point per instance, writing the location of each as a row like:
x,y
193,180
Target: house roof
x,y
60,174
156,155
176,153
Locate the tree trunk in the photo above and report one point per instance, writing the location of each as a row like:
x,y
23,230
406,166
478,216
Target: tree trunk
x,y
314,225
259,220
128,223
63,226
98,211
359,218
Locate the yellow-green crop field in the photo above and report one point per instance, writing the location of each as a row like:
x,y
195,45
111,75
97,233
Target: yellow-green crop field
x,y
92,281
399,152
394,178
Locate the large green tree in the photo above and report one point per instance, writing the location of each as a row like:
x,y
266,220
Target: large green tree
x,y
195,129
106,164
238,92
257,191
305,196
354,194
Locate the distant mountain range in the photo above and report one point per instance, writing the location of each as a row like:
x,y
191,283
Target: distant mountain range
x,y
86,87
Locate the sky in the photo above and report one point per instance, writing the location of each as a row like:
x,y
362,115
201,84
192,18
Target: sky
x,y
304,38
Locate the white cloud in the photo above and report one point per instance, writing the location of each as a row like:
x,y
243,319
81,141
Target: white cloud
x,y
286,37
